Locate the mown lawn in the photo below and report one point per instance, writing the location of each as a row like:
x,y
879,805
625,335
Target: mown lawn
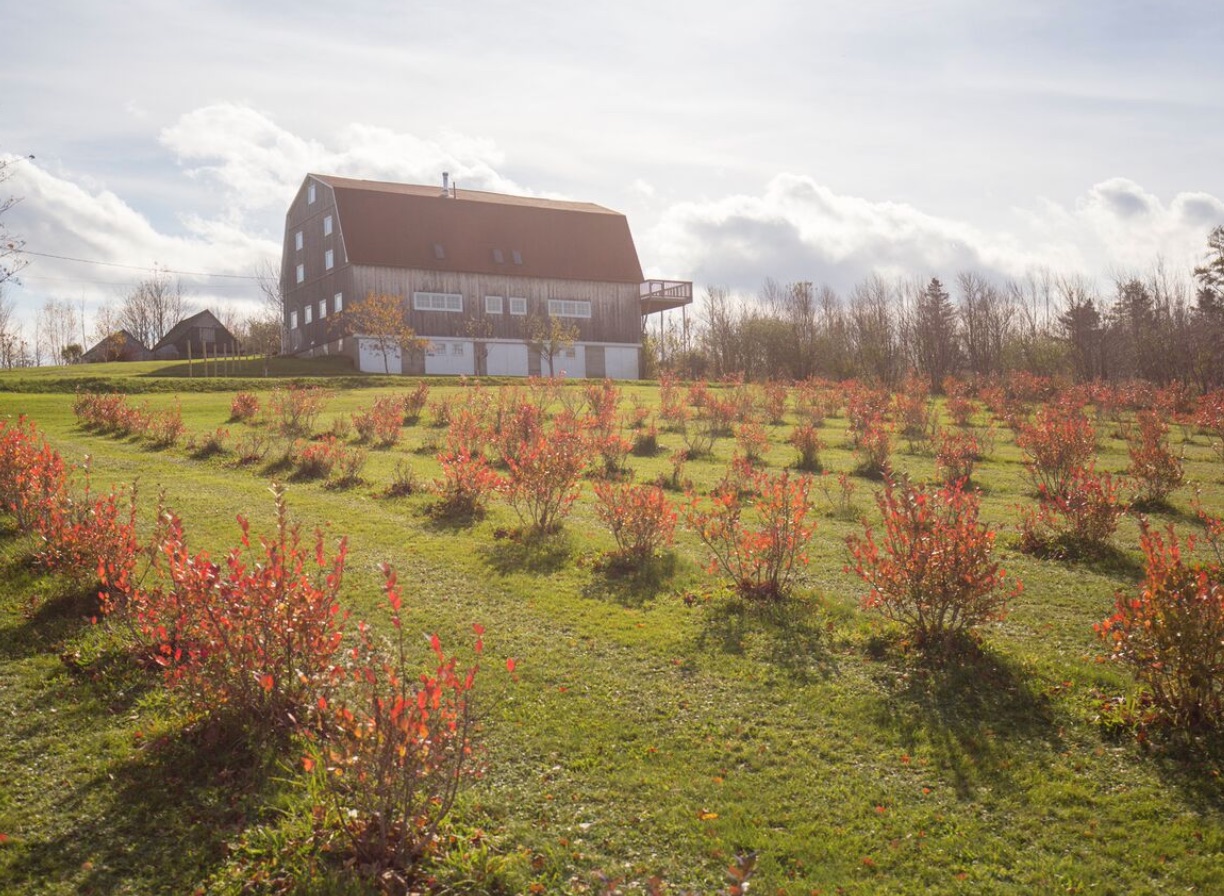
x,y
655,725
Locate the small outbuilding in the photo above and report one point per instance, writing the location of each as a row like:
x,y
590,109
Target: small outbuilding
x,y
198,336
118,346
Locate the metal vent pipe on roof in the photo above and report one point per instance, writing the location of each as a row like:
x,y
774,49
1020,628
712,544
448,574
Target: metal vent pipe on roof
x,y
445,183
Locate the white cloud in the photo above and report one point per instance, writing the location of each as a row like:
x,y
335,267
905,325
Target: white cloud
x,y
798,228
259,165
247,168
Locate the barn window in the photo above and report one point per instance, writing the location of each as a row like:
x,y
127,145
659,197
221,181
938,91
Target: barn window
x,y
457,349
310,194
322,308
297,241
518,256
301,273
518,306
439,252
567,308
292,320
437,301
329,260
498,257
493,304
309,313
327,225
338,302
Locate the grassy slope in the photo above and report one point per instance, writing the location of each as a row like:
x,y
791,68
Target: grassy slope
x,y
643,736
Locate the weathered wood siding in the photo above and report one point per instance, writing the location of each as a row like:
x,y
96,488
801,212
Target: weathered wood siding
x,y
615,310
320,284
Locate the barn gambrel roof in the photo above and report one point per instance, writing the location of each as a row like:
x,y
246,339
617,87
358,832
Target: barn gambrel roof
x,y
470,231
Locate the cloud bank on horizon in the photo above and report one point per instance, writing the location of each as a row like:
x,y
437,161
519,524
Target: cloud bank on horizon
x,y
242,169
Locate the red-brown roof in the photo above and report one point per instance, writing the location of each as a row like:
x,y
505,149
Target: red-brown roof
x,y
410,226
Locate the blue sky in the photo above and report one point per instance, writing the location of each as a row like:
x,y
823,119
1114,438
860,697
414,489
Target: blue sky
x,y
793,140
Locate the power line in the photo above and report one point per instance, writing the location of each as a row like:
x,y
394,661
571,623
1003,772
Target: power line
x,y
134,267
45,279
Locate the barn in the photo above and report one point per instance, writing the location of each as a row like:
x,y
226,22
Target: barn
x,y
476,273
199,336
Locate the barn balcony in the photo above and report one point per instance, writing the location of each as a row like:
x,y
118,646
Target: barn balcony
x,y
664,295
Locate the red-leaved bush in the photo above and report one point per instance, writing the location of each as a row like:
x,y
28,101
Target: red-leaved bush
x,y
412,403
1078,521
33,477
1171,634
257,634
84,534
806,439
467,484
1057,443
296,408
399,746
758,553
933,570
1156,470
955,456
244,407
640,518
380,423
752,441
542,482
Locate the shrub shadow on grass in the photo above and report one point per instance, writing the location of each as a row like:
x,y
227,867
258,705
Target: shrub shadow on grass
x,y
48,622
158,822
966,707
1194,766
540,553
631,585
791,635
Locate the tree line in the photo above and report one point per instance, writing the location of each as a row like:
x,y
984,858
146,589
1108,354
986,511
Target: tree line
x,y
1155,326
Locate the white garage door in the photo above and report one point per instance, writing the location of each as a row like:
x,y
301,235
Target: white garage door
x,y
370,358
621,362
507,359
450,357
570,362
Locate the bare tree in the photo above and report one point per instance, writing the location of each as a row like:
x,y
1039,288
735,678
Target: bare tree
x,y
873,332
57,326
106,322
267,276
719,331
11,259
152,308
986,323
796,303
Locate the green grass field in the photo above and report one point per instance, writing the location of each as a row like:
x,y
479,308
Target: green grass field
x,y
645,735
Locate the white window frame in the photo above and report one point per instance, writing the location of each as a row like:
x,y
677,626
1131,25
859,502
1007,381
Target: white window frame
x,y
338,303
309,313
329,259
569,308
457,350
322,308
293,320
301,273
493,304
310,194
327,225
518,306
451,302
298,241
